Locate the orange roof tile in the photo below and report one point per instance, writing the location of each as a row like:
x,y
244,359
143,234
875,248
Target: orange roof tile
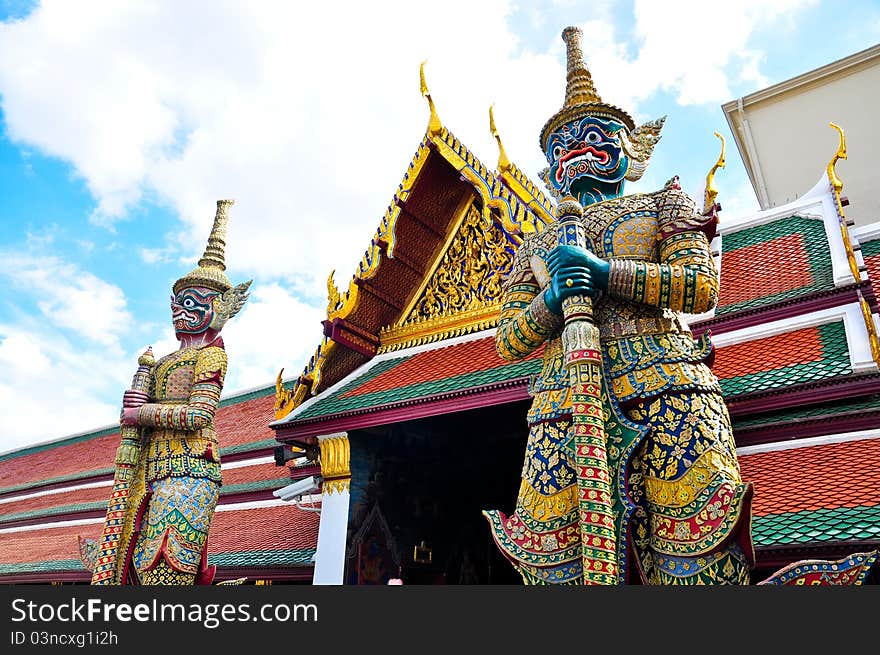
x,y
763,269
828,476
797,347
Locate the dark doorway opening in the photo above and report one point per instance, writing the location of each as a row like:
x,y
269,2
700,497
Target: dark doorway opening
x,y
417,492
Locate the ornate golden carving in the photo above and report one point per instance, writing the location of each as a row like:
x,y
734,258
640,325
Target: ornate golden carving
x,y
873,339
333,295
335,458
471,271
464,290
418,332
836,188
711,191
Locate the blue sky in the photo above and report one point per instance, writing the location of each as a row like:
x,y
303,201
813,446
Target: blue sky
x,y
123,123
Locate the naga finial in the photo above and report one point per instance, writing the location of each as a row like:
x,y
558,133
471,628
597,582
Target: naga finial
x,y
333,295
836,182
434,124
503,160
283,398
711,190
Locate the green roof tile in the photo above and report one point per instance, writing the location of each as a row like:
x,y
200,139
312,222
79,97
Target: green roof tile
x,y
871,248
834,363
338,402
256,558
837,408
821,525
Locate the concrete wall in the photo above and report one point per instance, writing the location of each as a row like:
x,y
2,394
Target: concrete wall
x,y
783,136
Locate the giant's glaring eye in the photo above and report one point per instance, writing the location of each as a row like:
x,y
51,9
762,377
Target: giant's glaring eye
x,y
593,137
189,303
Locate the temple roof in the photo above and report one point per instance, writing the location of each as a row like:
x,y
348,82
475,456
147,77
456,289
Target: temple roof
x,y
433,206
420,381
816,494
773,262
391,386
54,492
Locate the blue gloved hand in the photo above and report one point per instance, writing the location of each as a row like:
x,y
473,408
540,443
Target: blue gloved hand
x,y
565,283
566,256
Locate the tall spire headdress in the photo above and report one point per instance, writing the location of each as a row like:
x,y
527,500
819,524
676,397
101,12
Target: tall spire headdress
x,y
211,273
582,99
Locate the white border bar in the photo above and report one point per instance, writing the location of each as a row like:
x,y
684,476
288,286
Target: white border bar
x,y
793,444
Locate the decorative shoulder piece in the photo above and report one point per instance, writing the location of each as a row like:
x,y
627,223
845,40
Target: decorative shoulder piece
x,y
677,212
229,303
88,552
639,145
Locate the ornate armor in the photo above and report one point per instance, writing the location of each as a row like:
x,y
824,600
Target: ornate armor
x,y
692,517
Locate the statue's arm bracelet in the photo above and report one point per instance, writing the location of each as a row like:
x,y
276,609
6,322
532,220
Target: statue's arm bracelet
x,y
685,280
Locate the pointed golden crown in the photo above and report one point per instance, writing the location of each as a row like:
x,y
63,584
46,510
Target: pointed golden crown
x,y
581,97
210,271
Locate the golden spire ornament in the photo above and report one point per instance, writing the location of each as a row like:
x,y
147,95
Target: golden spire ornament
x,y
210,271
581,97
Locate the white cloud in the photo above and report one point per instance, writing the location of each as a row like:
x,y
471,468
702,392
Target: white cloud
x,y
306,114
274,329
69,298
311,129
689,48
51,386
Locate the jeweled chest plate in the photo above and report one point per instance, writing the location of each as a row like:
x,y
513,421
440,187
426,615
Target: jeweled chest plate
x,y
625,228
174,375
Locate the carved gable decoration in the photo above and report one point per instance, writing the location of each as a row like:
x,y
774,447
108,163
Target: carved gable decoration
x,y
462,291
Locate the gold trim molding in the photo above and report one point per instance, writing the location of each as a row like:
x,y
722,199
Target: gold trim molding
x,y
421,331
335,462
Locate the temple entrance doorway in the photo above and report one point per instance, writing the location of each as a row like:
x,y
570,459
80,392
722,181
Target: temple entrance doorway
x,y
417,492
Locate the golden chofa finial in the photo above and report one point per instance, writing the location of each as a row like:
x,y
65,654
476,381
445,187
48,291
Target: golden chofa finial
x,y
503,160
711,191
836,182
333,295
434,124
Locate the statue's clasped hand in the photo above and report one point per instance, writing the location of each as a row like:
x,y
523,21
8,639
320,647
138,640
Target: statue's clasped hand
x,y
131,400
575,271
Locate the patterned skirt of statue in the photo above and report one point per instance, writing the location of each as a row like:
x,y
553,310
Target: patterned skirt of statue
x,y
170,548
689,521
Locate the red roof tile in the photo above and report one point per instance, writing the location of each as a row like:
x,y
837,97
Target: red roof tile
x,y
828,476
246,421
797,347
276,528
256,473
437,364
92,495
238,423
238,475
764,269
873,264
87,455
